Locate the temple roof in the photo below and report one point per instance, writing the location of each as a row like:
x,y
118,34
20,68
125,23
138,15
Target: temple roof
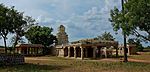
x,y
93,41
30,45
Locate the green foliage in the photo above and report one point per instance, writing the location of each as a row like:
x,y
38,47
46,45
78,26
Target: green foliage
x,y
40,35
106,36
134,19
13,21
131,41
21,25
5,22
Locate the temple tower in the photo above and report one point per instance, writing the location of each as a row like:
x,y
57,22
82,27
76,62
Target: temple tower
x,y
62,36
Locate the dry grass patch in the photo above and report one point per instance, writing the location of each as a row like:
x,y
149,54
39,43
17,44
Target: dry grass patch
x,y
141,56
55,64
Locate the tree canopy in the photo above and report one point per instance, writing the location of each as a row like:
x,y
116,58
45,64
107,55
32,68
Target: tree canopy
x,y
106,36
134,20
13,21
20,27
40,35
5,22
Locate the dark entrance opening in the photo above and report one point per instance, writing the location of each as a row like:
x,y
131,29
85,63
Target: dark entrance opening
x,y
71,51
78,52
65,52
90,52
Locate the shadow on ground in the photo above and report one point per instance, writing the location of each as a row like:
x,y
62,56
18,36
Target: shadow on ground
x,y
32,68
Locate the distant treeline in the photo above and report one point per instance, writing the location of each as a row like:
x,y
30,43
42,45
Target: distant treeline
x,y
4,47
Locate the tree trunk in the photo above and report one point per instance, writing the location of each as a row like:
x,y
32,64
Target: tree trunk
x,y
125,44
4,38
125,49
15,43
5,44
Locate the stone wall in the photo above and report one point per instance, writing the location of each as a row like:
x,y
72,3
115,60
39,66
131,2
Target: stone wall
x,y
60,52
8,59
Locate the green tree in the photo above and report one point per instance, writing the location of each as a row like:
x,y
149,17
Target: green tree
x,y
119,21
41,35
134,20
21,25
5,23
139,14
131,41
106,36
14,22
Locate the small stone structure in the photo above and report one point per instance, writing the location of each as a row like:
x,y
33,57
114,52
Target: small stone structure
x,y
9,59
131,49
30,49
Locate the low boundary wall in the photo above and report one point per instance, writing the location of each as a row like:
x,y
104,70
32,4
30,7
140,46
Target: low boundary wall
x,y
9,59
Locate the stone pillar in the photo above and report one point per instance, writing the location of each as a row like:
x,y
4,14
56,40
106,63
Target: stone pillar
x,y
82,53
105,52
27,50
17,49
94,51
31,50
75,53
34,51
100,52
68,51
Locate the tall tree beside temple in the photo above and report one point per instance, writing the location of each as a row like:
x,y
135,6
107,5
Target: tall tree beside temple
x,y
21,25
5,23
41,35
106,36
13,21
135,19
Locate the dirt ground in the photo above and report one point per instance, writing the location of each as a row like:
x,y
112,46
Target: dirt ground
x,y
99,65
46,58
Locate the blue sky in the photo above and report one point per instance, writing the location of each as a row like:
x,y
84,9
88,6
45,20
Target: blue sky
x,y
82,18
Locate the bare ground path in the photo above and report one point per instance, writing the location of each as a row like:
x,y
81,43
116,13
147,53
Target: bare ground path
x,y
136,60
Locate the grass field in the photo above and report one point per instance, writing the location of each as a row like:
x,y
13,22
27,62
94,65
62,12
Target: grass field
x,y
142,56
55,64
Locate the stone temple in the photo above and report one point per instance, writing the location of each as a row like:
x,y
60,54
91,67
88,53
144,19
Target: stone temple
x,y
86,48
62,36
